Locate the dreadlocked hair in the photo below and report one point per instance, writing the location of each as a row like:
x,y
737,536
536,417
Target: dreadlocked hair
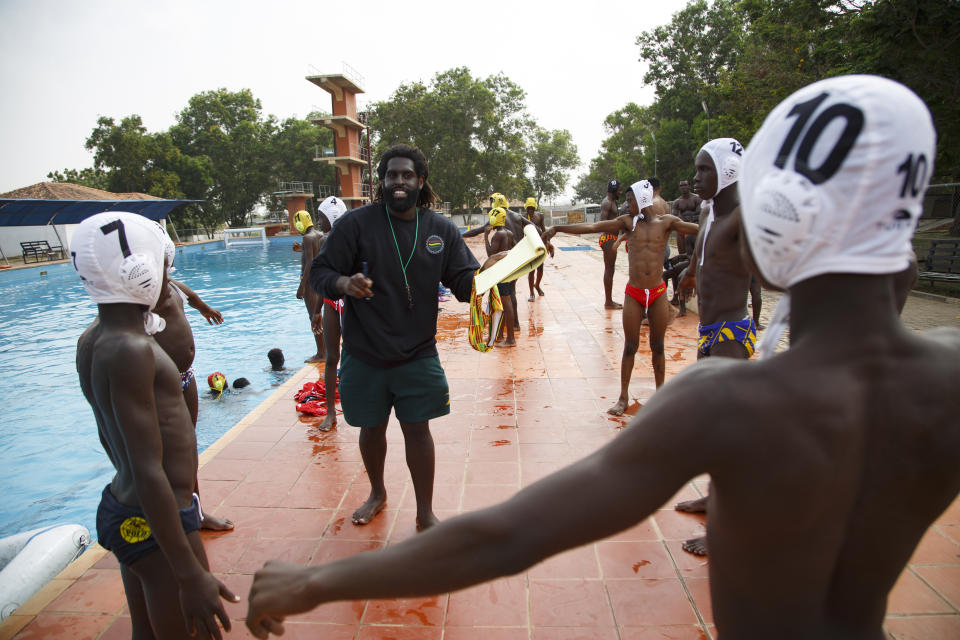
x,y
427,196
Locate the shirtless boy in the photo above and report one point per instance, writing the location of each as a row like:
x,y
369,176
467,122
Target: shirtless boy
x,y
536,218
687,208
646,240
853,429
176,339
312,241
719,274
503,240
326,323
608,242
148,514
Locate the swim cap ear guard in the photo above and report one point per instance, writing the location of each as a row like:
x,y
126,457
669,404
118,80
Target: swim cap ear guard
x,y
217,382
120,258
302,221
499,200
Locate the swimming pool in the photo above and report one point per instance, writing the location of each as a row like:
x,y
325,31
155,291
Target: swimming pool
x,y
54,467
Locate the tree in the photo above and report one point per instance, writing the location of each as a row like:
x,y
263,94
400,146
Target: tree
x,y
471,131
227,127
552,156
293,149
88,177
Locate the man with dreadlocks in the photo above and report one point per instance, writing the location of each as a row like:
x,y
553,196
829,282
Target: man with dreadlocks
x,y
386,260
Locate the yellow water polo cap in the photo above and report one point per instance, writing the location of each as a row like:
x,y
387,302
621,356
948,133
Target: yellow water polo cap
x,y
498,217
217,381
499,200
302,221
530,203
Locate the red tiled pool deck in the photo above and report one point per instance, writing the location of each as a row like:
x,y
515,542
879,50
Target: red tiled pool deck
x,y
517,415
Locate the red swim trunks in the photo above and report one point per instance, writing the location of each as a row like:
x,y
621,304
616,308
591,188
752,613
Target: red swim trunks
x,y
336,304
646,296
606,237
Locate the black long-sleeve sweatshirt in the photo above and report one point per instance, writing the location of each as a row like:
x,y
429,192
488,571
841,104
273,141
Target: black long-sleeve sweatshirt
x,y
384,331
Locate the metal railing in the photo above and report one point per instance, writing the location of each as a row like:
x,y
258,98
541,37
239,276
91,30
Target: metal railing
x,y
295,187
356,150
353,75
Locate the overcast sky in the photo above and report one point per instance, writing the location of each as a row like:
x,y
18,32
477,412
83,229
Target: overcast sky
x,y
64,63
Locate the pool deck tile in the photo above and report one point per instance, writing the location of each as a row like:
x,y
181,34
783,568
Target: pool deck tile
x,y
517,415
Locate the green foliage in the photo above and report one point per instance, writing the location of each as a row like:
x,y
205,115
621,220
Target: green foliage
x,y
472,132
293,149
552,156
89,177
743,57
228,128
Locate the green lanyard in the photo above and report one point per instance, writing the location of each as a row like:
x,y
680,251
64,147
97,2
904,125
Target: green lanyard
x,y
403,265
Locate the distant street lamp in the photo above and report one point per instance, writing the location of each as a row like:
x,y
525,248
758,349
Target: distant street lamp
x,y
706,111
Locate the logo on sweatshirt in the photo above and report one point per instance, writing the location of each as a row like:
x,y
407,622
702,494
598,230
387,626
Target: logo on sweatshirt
x,y
434,244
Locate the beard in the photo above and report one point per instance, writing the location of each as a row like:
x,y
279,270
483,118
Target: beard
x,y
401,204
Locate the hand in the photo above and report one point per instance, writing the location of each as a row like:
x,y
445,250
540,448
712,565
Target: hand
x,y
316,323
548,234
201,606
279,589
297,246
357,285
494,259
212,315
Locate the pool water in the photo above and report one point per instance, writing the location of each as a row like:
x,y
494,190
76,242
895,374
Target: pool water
x,y
53,466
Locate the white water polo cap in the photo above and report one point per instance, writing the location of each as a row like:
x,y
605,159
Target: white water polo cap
x,y
120,258
169,251
727,155
332,208
833,182
643,194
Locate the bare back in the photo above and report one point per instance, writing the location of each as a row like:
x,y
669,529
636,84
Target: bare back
x,y
103,357
312,243
846,474
722,279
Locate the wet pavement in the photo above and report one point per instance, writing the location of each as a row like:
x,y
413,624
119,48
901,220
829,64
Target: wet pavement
x,y
517,415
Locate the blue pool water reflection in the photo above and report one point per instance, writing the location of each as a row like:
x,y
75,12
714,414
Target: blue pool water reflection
x,y
54,467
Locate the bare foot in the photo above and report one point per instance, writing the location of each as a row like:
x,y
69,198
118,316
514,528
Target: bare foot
x,y
329,422
211,522
696,546
509,343
613,305
539,290
692,506
760,326
369,509
531,298
317,357
619,408
426,522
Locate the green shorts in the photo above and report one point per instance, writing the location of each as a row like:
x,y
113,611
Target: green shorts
x,y
417,391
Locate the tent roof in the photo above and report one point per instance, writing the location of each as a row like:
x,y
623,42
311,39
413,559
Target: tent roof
x,y
66,203
18,213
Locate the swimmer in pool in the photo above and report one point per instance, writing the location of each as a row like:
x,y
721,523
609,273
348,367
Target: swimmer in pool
x,y
148,515
647,237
